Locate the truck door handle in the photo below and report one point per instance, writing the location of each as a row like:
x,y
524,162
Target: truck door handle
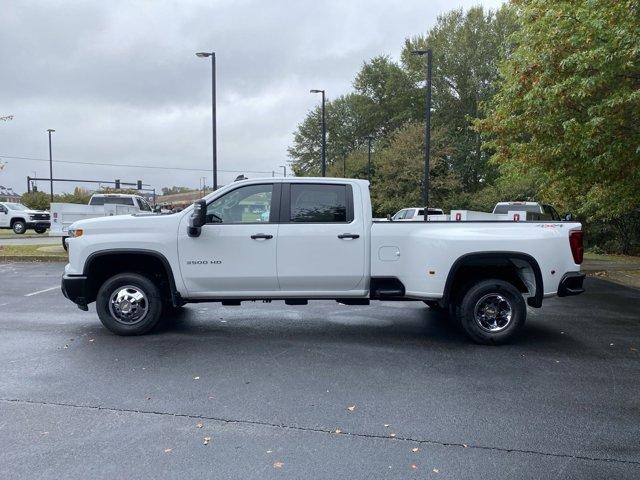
x,y
256,236
348,235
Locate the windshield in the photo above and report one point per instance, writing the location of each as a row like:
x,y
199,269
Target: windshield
x,y
516,208
16,206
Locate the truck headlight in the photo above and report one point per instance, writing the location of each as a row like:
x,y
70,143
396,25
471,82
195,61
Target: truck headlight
x,y
75,232
32,217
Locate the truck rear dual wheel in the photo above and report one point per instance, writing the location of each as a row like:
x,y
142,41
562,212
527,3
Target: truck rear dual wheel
x,y
129,304
492,312
40,230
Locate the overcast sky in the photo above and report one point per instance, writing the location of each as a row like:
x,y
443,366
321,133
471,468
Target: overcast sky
x,y
120,84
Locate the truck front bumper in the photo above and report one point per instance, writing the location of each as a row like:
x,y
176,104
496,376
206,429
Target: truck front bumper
x,y
571,284
74,287
38,223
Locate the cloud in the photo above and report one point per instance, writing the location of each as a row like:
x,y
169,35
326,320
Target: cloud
x,y
120,83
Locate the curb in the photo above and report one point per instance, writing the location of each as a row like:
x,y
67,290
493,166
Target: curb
x,y
31,258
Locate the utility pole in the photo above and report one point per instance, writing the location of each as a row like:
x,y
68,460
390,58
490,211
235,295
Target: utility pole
x,y
427,130
284,170
213,114
369,138
324,133
50,131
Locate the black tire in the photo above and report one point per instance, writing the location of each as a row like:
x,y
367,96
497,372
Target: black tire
x,y
492,312
149,307
19,227
64,244
40,230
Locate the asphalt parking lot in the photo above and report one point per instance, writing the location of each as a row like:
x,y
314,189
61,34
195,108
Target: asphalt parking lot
x,y
323,391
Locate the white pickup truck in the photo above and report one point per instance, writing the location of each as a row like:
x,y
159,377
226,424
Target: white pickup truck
x,y
20,218
100,205
314,238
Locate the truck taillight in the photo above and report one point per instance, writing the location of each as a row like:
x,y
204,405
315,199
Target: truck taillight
x,y
577,249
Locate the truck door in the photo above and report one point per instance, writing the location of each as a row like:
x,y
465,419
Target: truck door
x,y
321,241
4,216
236,250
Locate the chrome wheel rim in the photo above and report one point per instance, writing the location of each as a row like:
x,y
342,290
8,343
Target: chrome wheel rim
x,y
493,313
19,227
128,305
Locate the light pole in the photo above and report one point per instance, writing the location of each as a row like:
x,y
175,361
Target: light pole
x,y
369,139
324,134
427,132
213,113
50,131
284,170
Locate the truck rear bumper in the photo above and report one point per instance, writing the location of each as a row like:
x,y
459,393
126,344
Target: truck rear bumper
x,y
74,288
571,284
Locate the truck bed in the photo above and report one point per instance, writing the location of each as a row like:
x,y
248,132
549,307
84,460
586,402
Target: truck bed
x,y
421,255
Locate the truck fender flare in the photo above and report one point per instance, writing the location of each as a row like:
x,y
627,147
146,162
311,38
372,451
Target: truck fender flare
x,y
15,219
175,295
535,301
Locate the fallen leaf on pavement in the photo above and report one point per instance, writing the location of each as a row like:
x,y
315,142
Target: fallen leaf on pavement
x,y
269,451
206,440
196,378
416,449
92,339
337,430
278,464
387,425
435,470
351,408
392,435
414,466
199,425
167,450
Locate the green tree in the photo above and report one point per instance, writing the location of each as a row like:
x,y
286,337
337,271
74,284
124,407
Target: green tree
x,y
79,195
467,48
568,108
387,95
399,171
36,200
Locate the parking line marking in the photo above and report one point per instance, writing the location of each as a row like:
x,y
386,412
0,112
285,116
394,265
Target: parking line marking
x,y
41,291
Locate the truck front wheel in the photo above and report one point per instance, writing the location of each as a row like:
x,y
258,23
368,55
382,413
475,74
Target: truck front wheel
x,y
19,227
129,304
492,312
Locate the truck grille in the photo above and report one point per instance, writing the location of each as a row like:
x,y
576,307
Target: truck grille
x,y
41,216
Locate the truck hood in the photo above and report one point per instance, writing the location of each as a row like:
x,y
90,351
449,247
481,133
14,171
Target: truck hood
x,y
127,223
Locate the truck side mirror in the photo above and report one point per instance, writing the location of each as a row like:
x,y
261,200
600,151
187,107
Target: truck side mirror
x,y
197,219
568,217
389,217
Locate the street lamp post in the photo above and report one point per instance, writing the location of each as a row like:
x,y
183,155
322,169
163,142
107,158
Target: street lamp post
x,y
369,138
284,170
324,133
213,113
50,131
427,132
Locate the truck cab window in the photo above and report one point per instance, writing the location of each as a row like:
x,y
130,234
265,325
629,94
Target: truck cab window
x,y
250,204
312,203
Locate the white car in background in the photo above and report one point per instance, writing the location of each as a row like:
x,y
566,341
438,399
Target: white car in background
x,y
414,213
19,218
534,210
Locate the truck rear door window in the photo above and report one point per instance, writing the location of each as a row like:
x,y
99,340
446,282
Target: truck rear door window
x,y
317,203
111,201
